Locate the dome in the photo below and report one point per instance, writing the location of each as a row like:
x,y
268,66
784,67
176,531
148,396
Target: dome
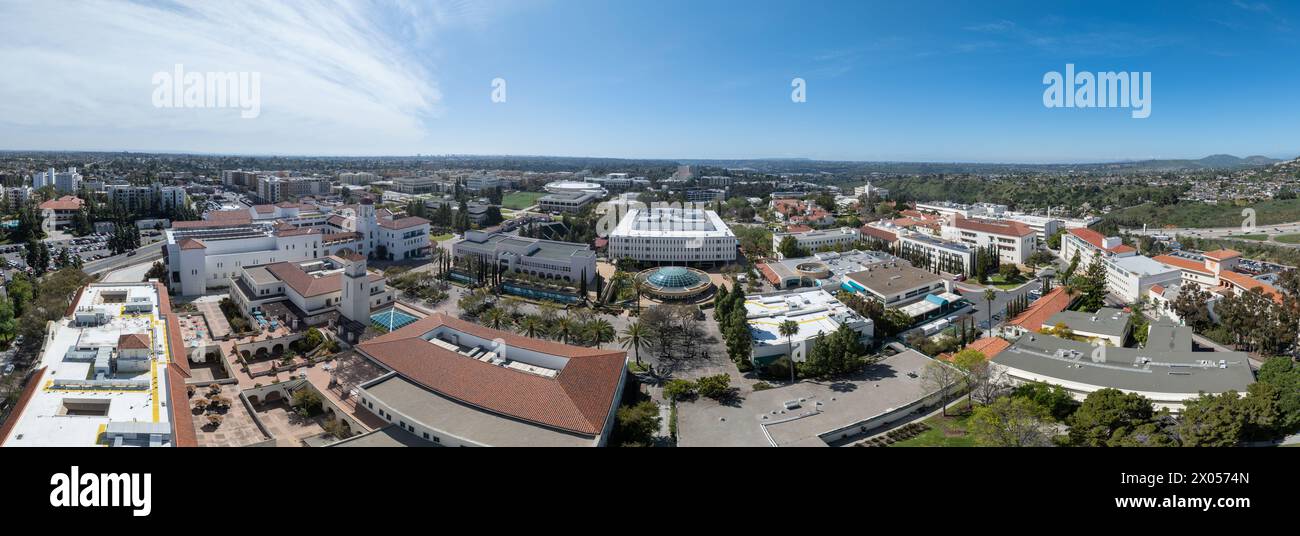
x,y
673,277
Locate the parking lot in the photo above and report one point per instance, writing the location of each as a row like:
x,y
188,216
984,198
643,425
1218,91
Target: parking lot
x,y
13,257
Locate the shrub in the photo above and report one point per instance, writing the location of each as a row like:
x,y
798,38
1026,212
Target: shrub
x,y
307,402
715,387
679,389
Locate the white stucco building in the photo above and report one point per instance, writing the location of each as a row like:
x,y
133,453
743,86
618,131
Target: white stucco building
x,y
673,235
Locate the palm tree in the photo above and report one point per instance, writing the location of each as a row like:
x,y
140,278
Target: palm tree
x,y
531,326
600,331
989,296
634,337
496,318
788,329
563,329
638,286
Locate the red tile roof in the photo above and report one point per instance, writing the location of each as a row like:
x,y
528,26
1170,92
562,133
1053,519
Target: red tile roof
x,y
337,220
190,243
340,237
133,341
216,218
1097,239
1245,282
882,234
1183,264
179,406
1222,254
17,411
579,399
304,283
264,209
1043,308
1004,228
175,342
768,273
798,229
989,346
1158,289
67,202
403,223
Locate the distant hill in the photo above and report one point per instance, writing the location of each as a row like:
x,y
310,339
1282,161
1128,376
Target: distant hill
x,y
1214,161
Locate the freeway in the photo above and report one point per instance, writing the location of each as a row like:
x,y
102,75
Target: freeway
x,y
1225,232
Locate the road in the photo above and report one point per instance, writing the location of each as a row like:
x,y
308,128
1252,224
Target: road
x,y
1000,302
1226,232
151,252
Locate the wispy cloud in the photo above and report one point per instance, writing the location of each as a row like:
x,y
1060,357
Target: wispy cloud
x,y
339,77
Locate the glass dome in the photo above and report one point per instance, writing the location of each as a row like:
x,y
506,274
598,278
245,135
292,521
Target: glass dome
x,y
673,277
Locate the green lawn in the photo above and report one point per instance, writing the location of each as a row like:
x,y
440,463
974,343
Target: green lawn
x,y
999,282
1256,237
944,431
1288,238
441,237
520,200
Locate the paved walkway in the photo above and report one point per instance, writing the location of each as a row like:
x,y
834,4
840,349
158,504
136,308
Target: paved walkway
x,y
215,319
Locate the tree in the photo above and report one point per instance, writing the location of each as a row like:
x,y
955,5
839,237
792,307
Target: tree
x,y
634,337
1284,375
313,338
8,328
496,318
1212,421
1106,416
600,331
531,326
1058,402
1190,305
564,329
942,377
1011,422
790,249
307,402
989,296
1068,274
637,425
789,329
1093,285
716,387
984,380
158,271
678,389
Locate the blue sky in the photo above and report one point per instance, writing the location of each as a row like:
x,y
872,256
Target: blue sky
x,y
934,81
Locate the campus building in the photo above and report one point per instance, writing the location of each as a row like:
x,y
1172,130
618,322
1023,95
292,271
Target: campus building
x,y
1215,271
1014,241
826,269
313,292
813,241
673,235
209,253
571,202
60,213
1128,275
457,384
1168,370
895,284
112,373
951,257
564,261
817,313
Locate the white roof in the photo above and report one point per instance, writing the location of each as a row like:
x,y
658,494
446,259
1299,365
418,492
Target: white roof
x,y
45,422
1142,265
814,310
672,222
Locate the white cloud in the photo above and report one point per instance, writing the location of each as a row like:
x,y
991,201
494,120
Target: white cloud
x,y
342,78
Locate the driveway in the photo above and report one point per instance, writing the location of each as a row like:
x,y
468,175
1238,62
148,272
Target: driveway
x,y
1000,302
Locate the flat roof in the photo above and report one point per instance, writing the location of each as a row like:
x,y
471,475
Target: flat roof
x,y
672,222
814,310
1142,265
1106,321
894,277
70,406
388,436
885,386
1151,370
